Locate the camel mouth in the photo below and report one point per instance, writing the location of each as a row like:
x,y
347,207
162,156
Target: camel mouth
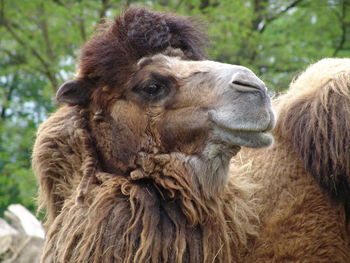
x,y
253,138
223,119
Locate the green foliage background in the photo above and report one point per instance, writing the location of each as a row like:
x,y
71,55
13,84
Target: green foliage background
x,y
40,40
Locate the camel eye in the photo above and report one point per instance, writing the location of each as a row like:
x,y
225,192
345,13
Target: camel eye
x,y
152,90
155,88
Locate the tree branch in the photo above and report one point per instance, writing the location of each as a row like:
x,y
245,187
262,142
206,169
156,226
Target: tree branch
x,y
45,64
82,26
35,53
268,20
105,6
8,98
44,30
24,44
286,9
178,5
127,3
344,26
58,2
81,22
2,11
15,59
259,9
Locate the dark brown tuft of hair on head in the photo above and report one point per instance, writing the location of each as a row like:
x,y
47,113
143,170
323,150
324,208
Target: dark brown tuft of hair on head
x,y
109,55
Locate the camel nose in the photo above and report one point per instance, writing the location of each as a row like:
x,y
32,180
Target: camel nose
x,y
246,81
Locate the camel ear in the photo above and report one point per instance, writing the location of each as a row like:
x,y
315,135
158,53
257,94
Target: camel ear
x,y
74,92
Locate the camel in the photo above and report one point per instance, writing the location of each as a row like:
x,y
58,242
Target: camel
x,y
133,167
304,178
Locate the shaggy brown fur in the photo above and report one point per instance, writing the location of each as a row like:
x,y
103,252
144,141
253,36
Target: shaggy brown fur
x,y
305,176
133,169
166,219
318,125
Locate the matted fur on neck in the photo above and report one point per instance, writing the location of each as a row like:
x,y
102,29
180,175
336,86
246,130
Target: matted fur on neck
x,y
159,219
127,221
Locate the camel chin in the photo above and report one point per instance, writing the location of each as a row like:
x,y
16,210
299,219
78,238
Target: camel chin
x,y
251,139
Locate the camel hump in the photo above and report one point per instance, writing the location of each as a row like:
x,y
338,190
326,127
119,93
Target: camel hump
x,y
315,118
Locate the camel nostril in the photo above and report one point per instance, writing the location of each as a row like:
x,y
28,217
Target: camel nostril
x,y
247,86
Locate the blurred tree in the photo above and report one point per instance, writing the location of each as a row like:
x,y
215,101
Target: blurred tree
x,y
40,40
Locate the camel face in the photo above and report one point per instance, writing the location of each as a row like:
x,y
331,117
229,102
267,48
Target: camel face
x,y
188,106
158,95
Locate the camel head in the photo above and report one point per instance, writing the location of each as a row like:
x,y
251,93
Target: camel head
x,y
143,140
148,89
